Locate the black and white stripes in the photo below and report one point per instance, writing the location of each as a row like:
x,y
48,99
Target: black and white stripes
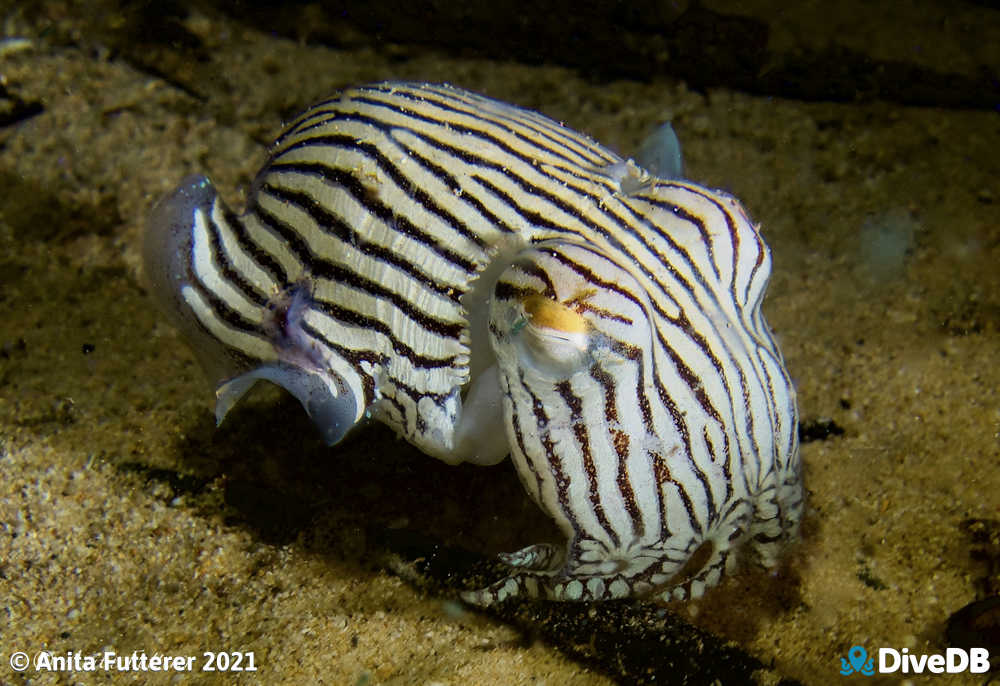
x,y
461,269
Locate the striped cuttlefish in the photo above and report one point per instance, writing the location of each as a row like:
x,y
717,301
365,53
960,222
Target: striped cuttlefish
x,y
487,281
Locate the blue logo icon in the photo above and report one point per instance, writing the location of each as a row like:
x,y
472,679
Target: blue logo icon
x,y
857,661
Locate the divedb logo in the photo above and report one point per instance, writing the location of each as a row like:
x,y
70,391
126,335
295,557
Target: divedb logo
x,y
892,661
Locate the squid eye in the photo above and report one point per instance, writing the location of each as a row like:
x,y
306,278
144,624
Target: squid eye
x,y
551,337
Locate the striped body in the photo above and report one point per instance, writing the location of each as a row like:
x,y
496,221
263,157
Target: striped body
x,y
486,281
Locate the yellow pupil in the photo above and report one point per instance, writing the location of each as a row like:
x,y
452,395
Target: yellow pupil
x,y
549,314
